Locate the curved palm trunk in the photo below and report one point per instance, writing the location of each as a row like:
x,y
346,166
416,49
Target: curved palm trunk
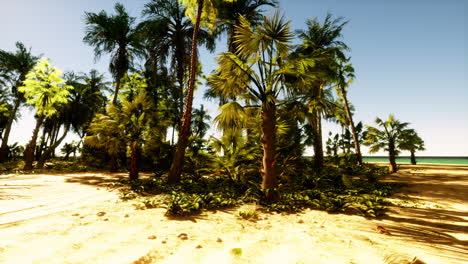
x,y
47,154
4,147
184,133
413,158
353,128
269,173
134,153
29,153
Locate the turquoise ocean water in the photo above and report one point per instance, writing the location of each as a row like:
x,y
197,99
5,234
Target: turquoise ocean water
x,y
433,160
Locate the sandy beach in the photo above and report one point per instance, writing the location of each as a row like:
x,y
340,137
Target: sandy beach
x,y
74,218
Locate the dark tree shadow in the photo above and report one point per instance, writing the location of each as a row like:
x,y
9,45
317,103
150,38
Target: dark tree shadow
x,y
95,180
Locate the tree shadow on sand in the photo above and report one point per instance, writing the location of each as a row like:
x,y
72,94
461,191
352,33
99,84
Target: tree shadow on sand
x,y
442,228
100,180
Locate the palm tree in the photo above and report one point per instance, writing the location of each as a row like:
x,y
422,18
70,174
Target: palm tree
x,y
114,34
199,125
46,91
14,67
125,124
347,72
320,42
174,31
86,99
388,137
411,141
202,13
265,48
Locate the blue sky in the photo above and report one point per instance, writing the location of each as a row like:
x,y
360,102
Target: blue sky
x,y
411,57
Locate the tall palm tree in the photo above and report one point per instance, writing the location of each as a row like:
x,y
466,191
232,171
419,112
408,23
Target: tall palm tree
x,y
411,141
264,48
169,35
388,137
345,76
202,13
14,67
46,91
320,41
114,34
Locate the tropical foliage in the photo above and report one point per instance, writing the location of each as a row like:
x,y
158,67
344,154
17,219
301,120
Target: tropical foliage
x,y
386,137
273,100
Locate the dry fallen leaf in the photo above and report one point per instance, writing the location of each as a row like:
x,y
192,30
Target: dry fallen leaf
x,y
382,230
183,236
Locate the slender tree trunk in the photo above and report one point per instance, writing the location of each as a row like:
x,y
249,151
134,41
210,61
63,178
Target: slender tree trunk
x,y
317,125
134,153
29,153
318,145
269,173
184,133
357,147
116,92
11,118
47,154
413,158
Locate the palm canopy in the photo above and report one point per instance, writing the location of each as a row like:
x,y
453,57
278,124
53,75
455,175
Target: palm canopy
x,y
256,69
44,89
114,34
411,141
387,136
86,99
320,37
199,123
15,65
230,12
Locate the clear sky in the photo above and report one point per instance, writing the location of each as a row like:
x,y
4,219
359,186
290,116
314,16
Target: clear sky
x,y
410,56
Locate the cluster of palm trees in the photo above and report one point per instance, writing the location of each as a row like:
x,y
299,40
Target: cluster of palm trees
x,y
273,95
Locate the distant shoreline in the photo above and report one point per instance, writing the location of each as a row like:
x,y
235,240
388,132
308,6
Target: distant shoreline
x,y
421,160
442,160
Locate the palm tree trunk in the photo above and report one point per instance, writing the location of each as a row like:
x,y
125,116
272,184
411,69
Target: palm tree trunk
x,y
47,154
413,158
134,152
184,133
318,145
117,87
11,118
29,153
269,173
392,158
357,148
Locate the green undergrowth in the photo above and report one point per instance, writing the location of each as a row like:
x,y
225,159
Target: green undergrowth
x,y
329,190
52,166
